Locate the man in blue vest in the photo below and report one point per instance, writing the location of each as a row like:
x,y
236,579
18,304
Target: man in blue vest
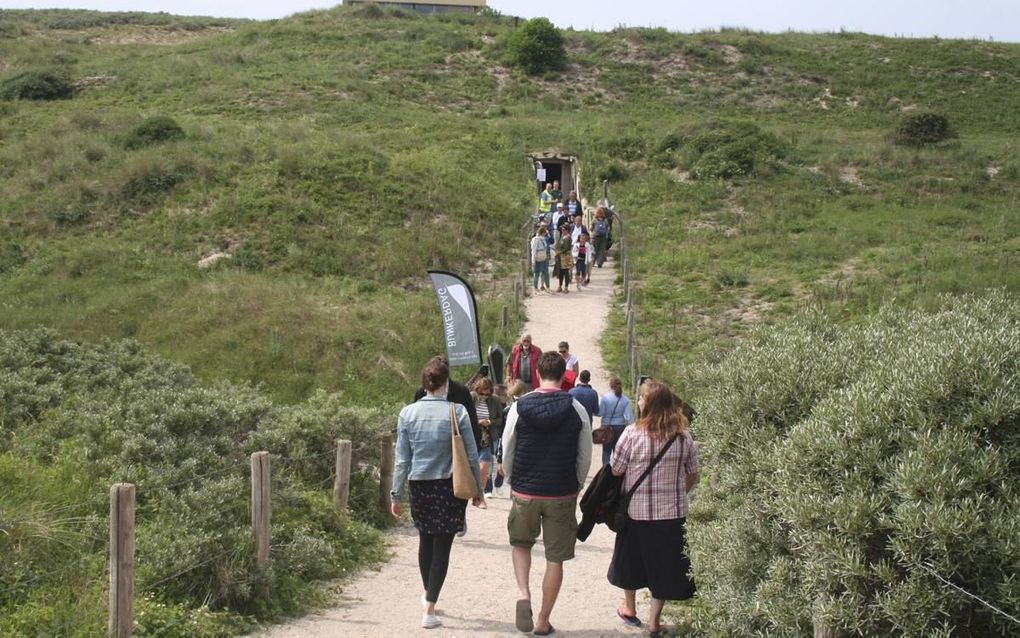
x,y
546,456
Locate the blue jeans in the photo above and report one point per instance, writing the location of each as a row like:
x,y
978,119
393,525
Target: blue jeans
x,y
581,268
541,268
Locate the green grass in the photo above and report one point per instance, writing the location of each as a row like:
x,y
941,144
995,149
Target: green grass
x,y
337,155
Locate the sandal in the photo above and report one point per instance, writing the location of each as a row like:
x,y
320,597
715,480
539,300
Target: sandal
x,y
522,619
630,621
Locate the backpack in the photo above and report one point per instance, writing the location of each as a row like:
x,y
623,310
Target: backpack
x,y
601,228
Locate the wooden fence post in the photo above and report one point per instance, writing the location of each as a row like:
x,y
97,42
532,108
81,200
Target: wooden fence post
x,y
504,318
822,628
524,273
342,485
122,560
386,472
630,330
517,301
626,273
261,509
634,369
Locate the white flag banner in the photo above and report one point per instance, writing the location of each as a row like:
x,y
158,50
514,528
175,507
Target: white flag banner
x,y
460,318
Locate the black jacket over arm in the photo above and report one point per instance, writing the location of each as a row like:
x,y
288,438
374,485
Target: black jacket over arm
x,y
603,490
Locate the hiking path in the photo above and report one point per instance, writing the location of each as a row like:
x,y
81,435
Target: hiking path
x,y
479,594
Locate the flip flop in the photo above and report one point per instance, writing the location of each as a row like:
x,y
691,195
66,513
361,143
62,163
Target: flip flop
x,y
550,630
632,621
523,620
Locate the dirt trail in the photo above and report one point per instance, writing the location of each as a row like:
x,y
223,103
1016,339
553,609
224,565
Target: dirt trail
x,y
479,595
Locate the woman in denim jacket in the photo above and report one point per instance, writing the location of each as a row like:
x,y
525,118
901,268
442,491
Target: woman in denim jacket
x,y
424,459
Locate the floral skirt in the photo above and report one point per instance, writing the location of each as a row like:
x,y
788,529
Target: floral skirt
x,y
434,508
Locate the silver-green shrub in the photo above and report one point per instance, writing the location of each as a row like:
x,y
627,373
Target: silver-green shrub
x,y
75,418
856,462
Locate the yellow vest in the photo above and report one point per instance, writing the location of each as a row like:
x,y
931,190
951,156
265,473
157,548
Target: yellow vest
x,y
545,201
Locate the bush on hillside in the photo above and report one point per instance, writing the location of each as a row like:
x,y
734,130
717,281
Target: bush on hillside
x,y
923,129
76,418
537,46
153,130
721,150
855,463
36,85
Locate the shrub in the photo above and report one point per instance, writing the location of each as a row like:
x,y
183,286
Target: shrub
x,y
537,46
855,463
153,130
75,418
721,150
70,216
614,172
148,178
922,129
36,85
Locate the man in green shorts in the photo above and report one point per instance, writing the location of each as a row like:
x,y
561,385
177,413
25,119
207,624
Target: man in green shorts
x,y
546,456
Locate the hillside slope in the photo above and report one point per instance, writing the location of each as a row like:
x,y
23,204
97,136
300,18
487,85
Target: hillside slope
x,y
336,155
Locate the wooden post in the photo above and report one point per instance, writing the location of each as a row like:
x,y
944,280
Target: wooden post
x,y
630,300
386,472
524,273
517,301
261,506
122,560
342,485
630,330
626,271
504,318
634,369
822,628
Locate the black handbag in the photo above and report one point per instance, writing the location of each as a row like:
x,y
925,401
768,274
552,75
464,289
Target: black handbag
x,y
619,518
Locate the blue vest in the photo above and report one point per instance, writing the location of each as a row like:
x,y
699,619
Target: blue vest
x,y
545,457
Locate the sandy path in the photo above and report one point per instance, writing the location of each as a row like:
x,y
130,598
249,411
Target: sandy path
x,y
479,595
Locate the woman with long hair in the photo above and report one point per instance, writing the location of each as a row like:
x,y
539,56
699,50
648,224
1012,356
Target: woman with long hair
x,y
424,458
616,414
490,419
600,227
540,258
651,551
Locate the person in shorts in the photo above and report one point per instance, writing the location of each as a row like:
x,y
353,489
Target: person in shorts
x,y
547,452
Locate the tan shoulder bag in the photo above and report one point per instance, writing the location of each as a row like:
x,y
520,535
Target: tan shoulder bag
x,y
464,485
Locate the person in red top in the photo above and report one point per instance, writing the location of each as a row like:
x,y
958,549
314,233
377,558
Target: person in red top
x,y
523,363
652,550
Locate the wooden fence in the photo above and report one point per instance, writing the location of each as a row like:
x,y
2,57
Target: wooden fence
x,y
122,525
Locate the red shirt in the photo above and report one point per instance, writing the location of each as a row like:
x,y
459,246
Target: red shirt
x,y
569,380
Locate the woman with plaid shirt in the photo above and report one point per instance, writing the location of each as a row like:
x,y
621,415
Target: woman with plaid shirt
x,y
651,551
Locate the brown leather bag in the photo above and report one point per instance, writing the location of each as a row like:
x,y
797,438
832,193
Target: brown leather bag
x,y
603,435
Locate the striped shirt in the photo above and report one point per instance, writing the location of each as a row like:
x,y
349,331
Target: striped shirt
x,y
663,494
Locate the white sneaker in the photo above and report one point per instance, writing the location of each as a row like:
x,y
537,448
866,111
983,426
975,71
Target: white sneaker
x,y
430,621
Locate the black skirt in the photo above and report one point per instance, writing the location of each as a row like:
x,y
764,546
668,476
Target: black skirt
x,y
434,508
653,554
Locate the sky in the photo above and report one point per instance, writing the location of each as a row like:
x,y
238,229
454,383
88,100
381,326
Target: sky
x,y
984,19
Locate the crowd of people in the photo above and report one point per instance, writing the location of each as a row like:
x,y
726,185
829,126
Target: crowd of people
x,y
563,242
534,436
